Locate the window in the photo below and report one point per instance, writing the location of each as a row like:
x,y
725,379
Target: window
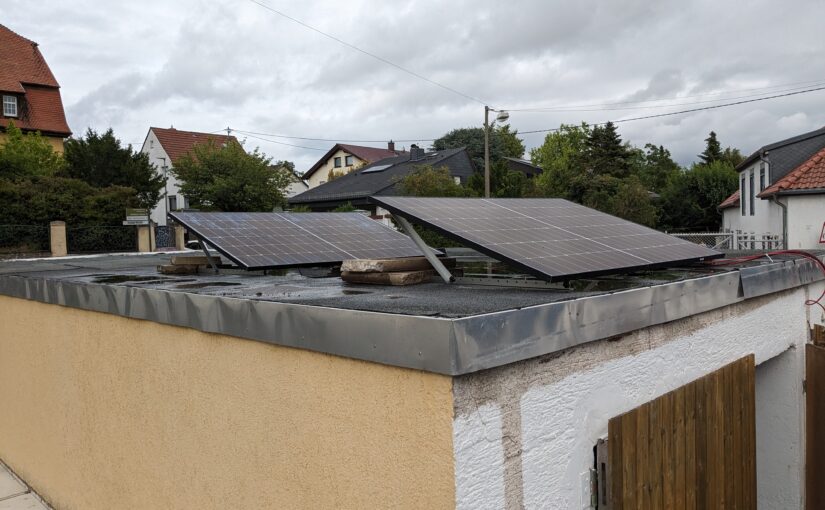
x,y
10,106
742,194
348,161
762,177
173,203
752,195
337,162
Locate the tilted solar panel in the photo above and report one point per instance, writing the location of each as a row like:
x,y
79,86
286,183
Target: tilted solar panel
x,y
273,240
548,237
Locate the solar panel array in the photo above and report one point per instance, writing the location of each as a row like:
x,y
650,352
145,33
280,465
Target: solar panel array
x,y
273,240
548,237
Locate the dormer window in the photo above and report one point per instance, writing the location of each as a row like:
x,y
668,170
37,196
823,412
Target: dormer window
x,y
10,106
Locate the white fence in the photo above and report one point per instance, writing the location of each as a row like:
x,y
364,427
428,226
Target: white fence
x,y
734,240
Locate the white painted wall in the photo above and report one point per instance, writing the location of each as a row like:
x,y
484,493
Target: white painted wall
x,y
779,430
564,404
806,215
767,217
295,188
157,156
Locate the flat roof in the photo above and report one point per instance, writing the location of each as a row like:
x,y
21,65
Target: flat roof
x,y
451,329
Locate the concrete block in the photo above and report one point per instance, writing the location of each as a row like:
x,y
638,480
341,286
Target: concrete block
x,y
9,485
391,265
398,278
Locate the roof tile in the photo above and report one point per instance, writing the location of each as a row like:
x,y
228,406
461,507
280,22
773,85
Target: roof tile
x,y
731,201
807,176
176,143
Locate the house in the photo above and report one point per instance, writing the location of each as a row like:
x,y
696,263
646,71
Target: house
x,y
343,158
781,195
522,165
382,178
30,93
297,186
164,147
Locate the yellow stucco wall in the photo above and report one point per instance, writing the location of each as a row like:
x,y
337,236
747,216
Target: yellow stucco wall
x,y
56,143
322,174
99,411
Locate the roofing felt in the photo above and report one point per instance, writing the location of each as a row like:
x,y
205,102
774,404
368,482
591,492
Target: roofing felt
x,y
176,142
362,183
368,154
731,201
786,155
810,175
21,63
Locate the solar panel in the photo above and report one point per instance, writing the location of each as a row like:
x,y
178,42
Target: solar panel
x,y
273,240
551,238
378,168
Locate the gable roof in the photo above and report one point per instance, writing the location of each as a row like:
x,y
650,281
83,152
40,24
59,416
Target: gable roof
x,y
731,201
785,155
176,142
368,154
807,177
523,166
363,183
23,70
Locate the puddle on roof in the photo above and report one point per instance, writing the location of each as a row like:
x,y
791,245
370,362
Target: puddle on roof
x,y
201,285
124,278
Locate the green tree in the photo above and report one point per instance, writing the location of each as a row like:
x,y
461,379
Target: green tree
x,y
562,158
606,154
504,143
348,207
27,155
654,166
504,182
713,149
732,156
227,178
691,197
427,181
101,160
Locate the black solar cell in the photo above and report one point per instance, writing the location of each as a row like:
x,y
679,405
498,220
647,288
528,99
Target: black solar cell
x,y
548,237
273,240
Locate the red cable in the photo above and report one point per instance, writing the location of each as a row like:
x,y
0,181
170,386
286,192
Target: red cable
x,y
802,253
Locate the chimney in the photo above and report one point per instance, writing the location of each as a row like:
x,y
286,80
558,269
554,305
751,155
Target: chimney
x,y
416,152
391,146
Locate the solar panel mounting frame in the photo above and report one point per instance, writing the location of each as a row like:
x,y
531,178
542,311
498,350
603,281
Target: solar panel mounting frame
x,y
514,263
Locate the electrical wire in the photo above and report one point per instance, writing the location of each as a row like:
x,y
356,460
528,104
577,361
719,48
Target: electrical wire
x,y
279,143
649,107
801,253
373,55
410,140
789,86
692,110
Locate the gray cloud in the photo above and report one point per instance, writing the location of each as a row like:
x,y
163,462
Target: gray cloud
x,y
204,65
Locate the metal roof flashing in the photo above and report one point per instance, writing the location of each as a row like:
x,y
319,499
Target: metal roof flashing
x,y
446,345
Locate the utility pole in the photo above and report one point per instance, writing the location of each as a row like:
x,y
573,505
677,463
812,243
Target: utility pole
x,y
228,131
486,151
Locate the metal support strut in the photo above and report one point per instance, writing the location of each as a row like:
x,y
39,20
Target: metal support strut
x,y
428,252
206,252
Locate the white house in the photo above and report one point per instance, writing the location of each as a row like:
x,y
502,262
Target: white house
x,y
165,147
781,194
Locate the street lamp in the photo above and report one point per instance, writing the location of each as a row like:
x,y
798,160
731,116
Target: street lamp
x,y
501,117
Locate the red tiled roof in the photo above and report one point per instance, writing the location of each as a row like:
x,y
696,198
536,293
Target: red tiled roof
x,y
21,63
368,154
731,201
807,176
176,143
24,73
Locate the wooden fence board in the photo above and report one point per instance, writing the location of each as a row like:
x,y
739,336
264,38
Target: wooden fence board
x,y
814,426
693,448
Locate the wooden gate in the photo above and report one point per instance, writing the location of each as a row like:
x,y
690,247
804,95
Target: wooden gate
x,y
815,423
693,448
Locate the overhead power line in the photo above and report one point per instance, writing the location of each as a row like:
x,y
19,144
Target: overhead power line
x,y
658,106
681,112
369,54
259,135
766,90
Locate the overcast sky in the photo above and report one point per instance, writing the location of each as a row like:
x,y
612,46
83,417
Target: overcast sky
x,y
206,65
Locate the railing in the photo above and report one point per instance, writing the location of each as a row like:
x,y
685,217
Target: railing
x,y
734,241
101,239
